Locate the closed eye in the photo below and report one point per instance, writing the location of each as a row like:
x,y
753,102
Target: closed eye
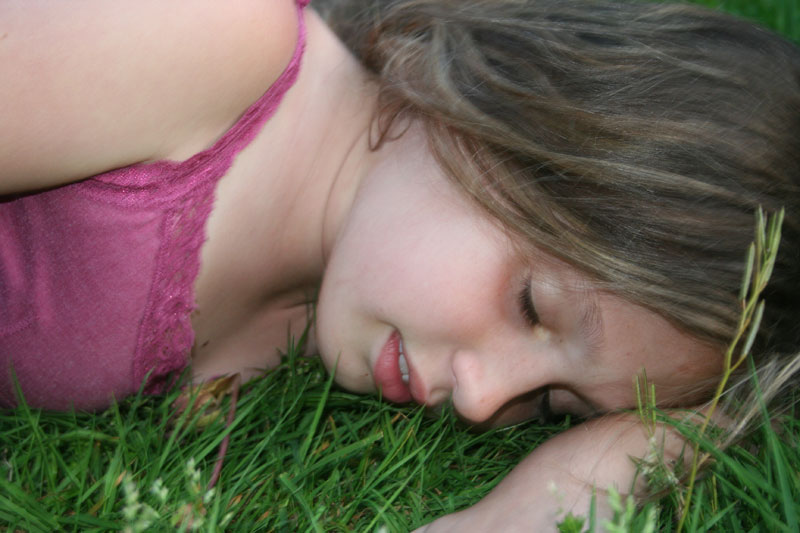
x,y
526,304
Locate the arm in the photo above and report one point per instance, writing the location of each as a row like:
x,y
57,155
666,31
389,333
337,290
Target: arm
x,y
558,477
93,85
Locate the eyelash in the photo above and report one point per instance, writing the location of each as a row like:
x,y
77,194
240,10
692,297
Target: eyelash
x,y
526,304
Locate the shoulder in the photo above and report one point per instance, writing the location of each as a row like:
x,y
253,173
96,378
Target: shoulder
x,y
92,85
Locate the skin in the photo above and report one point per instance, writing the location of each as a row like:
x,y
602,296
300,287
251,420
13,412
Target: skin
x,y
393,243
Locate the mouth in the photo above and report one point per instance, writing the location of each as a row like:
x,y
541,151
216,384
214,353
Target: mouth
x,y
401,362
391,371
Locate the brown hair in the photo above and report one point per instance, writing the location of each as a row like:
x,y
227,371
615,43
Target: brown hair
x,y
632,140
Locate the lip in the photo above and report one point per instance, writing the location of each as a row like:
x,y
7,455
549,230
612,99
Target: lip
x,y
387,372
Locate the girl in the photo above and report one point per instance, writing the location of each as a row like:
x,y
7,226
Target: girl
x,y
516,206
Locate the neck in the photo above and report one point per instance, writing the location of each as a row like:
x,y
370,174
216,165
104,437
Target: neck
x,y
331,114
279,211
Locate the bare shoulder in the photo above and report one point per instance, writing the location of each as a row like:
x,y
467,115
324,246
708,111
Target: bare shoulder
x,y
92,85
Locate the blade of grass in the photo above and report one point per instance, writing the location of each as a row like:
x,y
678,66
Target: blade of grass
x,y
317,416
296,494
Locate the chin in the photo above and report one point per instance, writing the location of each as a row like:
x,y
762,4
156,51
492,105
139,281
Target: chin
x,y
349,381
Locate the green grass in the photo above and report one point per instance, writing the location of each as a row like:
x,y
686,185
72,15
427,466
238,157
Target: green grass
x,y
306,456
782,16
303,457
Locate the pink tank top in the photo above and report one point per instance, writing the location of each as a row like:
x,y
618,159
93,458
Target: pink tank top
x,y
96,277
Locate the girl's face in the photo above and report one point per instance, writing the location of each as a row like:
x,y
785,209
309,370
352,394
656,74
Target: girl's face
x,y
418,277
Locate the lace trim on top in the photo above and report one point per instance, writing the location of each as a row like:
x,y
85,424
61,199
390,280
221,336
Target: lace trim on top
x,y
184,191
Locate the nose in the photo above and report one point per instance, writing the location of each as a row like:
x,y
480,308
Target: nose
x,y
483,383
